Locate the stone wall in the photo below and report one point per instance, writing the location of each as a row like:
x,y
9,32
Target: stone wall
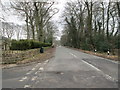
x,y
11,57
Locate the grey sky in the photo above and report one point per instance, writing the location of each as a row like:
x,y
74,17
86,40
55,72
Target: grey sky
x,y
10,17
15,19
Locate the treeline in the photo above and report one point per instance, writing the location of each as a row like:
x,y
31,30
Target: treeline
x,y
92,25
27,44
37,16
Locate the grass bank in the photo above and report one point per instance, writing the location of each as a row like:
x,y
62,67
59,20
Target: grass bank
x,y
34,56
100,54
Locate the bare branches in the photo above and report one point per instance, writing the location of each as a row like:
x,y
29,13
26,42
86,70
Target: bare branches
x,y
37,16
96,23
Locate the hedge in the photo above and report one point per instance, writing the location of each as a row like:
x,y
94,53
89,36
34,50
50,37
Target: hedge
x,y
27,44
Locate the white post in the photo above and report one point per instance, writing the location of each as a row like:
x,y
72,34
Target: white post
x,y
108,52
95,51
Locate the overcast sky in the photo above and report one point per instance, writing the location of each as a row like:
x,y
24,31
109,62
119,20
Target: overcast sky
x,y
13,18
9,17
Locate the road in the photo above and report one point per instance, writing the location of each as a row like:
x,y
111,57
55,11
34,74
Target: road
x,y
68,69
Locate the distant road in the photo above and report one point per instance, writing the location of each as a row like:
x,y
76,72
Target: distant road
x,y
68,69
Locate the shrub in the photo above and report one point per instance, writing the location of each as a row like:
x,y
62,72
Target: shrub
x,y
103,46
85,46
27,44
46,44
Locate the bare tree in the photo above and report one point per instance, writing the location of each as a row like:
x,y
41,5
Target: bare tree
x,y
8,29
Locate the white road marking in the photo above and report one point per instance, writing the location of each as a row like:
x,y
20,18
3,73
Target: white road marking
x,y
34,78
23,79
61,73
91,65
41,68
105,75
36,72
26,86
73,55
28,73
33,69
109,77
46,61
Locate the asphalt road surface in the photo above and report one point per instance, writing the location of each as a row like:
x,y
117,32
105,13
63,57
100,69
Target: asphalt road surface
x,y
68,69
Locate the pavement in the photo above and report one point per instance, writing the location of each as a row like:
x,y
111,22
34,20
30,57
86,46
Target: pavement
x,y
68,69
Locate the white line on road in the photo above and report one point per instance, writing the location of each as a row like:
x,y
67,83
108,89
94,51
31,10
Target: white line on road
x,y
41,68
28,73
91,65
105,75
36,72
109,77
34,78
86,63
23,79
26,86
33,69
73,55
46,61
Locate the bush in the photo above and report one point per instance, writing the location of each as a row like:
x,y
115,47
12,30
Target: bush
x,y
85,46
27,44
47,44
117,42
103,46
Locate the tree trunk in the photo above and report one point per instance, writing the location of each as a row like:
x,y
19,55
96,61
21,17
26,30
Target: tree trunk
x,y
37,21
107,31
103,18
28,33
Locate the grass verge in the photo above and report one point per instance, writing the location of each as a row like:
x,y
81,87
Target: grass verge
x,y
104,55
48,53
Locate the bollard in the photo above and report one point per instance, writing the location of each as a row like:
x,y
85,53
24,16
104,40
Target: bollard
x,y
95,51
108,52
41,50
